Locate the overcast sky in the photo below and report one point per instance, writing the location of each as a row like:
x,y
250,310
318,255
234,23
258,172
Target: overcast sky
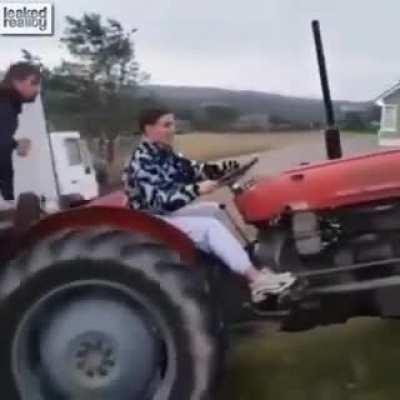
x,y
263,45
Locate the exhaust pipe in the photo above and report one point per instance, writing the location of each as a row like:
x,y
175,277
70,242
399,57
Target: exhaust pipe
x,y
332,134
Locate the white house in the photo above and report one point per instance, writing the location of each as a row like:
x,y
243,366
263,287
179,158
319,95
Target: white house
x,y
389,101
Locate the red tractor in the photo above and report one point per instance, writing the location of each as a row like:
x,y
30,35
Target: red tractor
x,y
101,302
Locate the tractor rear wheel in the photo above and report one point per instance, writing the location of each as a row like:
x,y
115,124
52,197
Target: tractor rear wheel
x,y
105,314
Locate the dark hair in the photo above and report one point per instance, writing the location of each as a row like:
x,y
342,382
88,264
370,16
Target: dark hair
x,y
19,72
150,116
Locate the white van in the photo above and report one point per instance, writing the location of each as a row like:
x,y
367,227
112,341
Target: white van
x,y
59,164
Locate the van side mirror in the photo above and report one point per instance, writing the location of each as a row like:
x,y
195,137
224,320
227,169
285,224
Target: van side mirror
x,y
87,170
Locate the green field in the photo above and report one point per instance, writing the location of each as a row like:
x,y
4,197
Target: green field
x,y
355,361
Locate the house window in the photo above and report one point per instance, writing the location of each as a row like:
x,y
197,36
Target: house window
x,y
389,118
73,152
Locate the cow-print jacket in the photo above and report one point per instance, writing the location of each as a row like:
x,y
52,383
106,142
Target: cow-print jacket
x,y
160,181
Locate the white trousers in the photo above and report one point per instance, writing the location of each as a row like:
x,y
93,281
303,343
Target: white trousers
x,y
202,224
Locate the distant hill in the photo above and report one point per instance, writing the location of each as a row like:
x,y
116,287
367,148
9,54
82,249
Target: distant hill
x,y
295,109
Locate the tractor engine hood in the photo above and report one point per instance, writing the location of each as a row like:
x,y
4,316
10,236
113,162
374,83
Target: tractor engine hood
x,y
326,185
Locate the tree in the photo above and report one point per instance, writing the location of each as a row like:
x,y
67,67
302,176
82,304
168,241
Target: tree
x,y
106,50
105,71
31,58
36,60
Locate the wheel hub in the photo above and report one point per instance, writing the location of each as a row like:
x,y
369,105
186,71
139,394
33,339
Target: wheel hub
x,y
95,359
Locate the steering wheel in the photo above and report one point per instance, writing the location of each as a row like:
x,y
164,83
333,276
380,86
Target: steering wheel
x,y
231,177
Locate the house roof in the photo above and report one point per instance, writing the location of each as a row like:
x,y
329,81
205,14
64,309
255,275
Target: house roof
x,y
386,93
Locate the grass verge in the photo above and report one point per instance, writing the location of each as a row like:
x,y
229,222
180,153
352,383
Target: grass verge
x,y
357,361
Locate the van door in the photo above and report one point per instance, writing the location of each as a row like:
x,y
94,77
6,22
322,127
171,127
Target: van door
x,y
89,186
74,169
35,173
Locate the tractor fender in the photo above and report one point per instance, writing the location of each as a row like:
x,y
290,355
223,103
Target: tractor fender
x,y
119,218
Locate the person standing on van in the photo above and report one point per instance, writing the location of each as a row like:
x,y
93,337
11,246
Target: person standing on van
x,y
21,84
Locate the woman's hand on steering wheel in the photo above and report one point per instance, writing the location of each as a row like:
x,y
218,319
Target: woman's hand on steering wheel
x,y
233,176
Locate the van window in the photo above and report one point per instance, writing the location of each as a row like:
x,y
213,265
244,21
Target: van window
x,y
74,156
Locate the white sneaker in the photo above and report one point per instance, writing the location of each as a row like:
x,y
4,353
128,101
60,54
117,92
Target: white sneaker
x,y
270,282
